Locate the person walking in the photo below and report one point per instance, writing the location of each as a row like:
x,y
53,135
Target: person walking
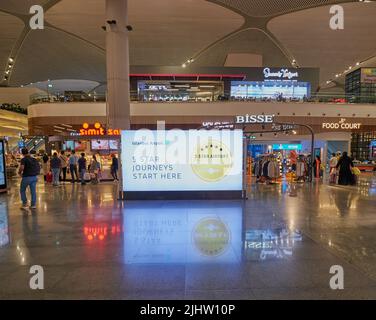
x,y
55,164
82,168
45,168
73,160
114,167
64,165
333,169
345,164
94,169
317,167
29,170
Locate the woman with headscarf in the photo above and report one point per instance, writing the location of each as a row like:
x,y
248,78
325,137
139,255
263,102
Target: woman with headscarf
x,y
345,165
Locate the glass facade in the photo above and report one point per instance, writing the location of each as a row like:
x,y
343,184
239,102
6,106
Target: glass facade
x,y
360,145
273,89
194,91
360,86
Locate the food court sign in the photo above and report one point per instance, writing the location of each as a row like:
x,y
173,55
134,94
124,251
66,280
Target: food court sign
x,y
341,124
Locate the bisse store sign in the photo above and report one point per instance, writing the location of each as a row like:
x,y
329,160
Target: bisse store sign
x,y
341,124
260,118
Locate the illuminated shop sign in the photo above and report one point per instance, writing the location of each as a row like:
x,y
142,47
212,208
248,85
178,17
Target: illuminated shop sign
x,y
218,125
280,74
255,118
341,124
97,130
287,146
283,127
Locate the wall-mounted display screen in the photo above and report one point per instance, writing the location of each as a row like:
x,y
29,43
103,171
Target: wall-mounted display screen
x,y
80,145
68,145
177,160
114,144
100,144
272,89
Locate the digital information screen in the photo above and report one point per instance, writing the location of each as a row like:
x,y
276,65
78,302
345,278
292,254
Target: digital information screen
x,y
182,160
2,166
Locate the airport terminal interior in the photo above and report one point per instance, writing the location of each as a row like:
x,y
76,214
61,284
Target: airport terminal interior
x,y
187,150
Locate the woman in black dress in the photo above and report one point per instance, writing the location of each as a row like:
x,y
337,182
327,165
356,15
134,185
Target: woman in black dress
x,y
345,174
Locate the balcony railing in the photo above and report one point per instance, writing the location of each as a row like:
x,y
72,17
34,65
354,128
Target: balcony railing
x,y
13,107
316,98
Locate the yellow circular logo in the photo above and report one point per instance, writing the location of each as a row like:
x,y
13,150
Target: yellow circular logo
x,y
211,237
212,160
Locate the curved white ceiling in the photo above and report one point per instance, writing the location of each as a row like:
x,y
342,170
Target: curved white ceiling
x,y
10,29
308,36
168,32
165,32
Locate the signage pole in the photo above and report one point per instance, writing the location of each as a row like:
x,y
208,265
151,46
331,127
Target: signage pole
x,y
245,148
120,174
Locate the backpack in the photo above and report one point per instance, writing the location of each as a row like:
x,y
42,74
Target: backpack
x,y
32,166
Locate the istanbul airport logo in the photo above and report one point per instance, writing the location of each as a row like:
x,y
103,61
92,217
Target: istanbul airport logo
x,y
212,160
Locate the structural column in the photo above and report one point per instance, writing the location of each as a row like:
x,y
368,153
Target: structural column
x,y
117,62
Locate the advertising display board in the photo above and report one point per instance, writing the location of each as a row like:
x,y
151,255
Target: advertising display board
x,y
3,176
368,75
177,161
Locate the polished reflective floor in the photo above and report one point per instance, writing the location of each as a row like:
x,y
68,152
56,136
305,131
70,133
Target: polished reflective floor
x,y
278,244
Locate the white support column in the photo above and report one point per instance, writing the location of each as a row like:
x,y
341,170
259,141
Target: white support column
x,y
117,61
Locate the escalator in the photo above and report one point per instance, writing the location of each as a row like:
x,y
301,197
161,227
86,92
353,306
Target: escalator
x,y
32,143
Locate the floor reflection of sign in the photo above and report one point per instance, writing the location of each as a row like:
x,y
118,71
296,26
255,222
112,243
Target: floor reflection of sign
x,y
211,237
4,230
263,244
180,233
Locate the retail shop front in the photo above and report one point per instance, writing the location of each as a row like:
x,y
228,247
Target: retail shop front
x,y
279,128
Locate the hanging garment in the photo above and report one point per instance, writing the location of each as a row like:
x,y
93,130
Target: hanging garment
x,y
265,172
300,169
273,169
